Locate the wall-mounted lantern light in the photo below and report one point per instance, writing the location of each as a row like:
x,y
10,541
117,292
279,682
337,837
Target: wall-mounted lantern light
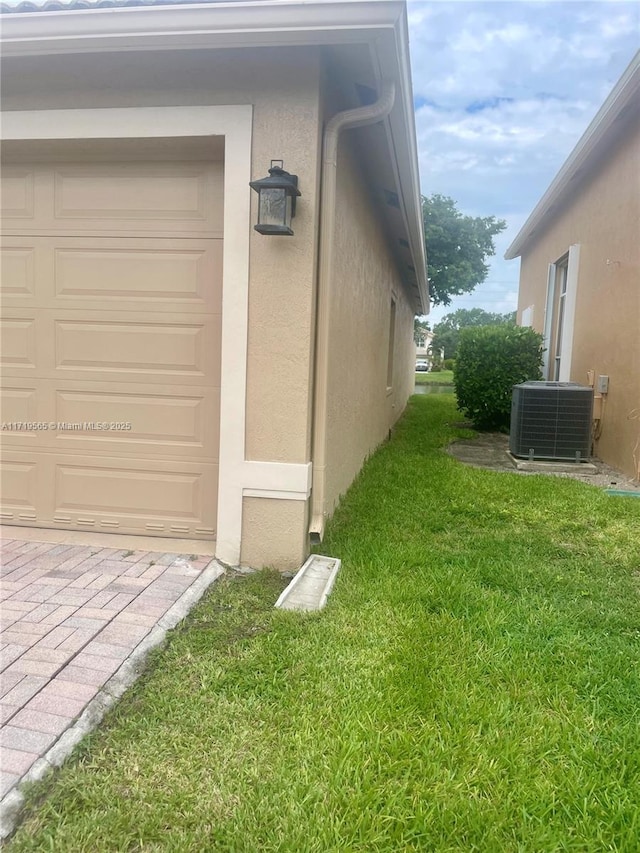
x,y
276,200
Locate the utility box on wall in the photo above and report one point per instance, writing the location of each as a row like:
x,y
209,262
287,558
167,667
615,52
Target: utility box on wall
x,y
551,420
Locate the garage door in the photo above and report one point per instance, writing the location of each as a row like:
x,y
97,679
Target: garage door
x,y
111,325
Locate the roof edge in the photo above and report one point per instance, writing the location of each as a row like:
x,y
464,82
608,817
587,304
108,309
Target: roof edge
x,y
410,162
232,23
590,143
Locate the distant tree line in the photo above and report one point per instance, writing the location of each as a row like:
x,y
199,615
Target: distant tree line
x,y
446,333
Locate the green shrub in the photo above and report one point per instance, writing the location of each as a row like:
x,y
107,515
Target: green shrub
x,y
490,360
449,363
436,367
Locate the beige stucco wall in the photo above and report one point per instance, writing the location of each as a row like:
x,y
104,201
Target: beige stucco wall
x,y
283,87
274,533
604,218
361,408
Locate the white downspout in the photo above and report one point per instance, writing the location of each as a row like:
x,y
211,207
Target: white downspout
x,y
341,121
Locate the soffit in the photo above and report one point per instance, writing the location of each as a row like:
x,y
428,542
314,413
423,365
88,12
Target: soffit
x,y
353,77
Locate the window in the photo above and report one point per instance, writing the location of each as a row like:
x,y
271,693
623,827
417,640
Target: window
x,y
526,318
392,336
559,312
559,315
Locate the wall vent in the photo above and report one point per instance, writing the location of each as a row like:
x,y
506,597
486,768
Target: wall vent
x,y
551,420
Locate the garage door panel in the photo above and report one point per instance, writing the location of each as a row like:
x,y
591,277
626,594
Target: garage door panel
x,y
81,492
111,345
23,490
170,498
182,197
18,200
18,343
27,407
177,275
169,424
125,198
19,408
150,349
18,272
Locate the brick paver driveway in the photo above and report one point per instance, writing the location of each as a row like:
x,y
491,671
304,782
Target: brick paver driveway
x,y
71,617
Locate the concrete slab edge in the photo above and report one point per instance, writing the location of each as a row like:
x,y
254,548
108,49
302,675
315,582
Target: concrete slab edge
x,y
300,575
543,466
12,803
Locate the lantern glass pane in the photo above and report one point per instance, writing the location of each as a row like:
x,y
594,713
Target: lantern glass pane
x,y
273,207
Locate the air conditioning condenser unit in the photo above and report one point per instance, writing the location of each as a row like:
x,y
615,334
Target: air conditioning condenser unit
x,y
551,420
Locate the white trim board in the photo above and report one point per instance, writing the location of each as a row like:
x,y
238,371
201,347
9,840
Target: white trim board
x,y
278,480
566,349
548,318
235,124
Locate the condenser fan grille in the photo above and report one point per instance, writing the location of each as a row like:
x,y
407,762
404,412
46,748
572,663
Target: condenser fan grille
x,y
551,420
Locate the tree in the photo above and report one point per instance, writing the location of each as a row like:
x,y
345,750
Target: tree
x,y
446,333
419,329
457,247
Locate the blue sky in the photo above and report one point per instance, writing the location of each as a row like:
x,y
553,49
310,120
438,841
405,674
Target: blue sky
x,y
503,91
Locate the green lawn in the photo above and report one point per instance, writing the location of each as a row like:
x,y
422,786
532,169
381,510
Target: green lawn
x,y
444,377
473,684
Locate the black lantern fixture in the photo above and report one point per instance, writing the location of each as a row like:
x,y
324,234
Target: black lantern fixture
x,y
276,200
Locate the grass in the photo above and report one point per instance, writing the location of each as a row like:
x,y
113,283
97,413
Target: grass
x,y
473,684
444,377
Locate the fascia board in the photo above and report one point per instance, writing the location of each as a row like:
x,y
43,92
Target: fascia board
x,y
243,24
593,140
392,56
408,165
411,207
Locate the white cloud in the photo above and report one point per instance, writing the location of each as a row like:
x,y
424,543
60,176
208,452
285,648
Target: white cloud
x,y
503,92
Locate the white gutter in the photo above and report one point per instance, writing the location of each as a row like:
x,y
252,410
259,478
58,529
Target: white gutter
x,y
241,23
405,143
593,139
348,119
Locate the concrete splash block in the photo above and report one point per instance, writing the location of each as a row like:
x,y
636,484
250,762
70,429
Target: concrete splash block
x,y
312,584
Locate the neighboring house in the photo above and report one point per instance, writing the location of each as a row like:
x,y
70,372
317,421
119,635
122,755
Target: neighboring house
x,y
243,378
423,346
580,271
